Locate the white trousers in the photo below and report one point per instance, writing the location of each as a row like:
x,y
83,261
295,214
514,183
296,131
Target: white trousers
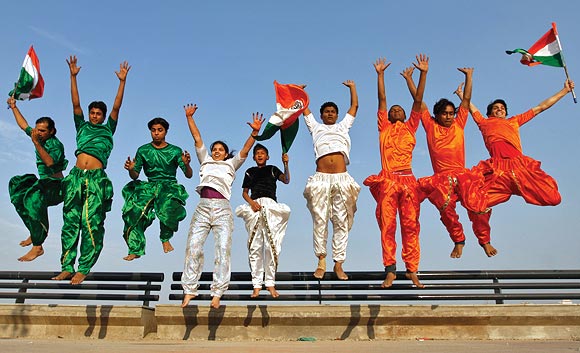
x,y
266,229
331,197
215,215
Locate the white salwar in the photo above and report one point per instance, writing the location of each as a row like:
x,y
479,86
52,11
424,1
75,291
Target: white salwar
x,y
266,229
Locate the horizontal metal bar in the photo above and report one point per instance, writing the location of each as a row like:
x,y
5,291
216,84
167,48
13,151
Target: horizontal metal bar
x,y
93,276
84,286
81,296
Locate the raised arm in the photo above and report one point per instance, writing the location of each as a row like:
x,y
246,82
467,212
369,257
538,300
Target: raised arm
x,y
466,100
74,90
122,75
285,178
459,93
380,67
20,120
353,97
568,87
422,65
256,125
190,109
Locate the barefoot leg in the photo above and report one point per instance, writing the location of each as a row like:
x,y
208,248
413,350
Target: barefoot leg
x,y
35,252
131,257
391,276
26,242
339,271
489,250
78,278
186,299
167,247
321,268
457,251
415,279
255,293
62,276
215,302
273,292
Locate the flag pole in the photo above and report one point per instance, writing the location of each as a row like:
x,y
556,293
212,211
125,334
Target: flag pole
x,y
563,61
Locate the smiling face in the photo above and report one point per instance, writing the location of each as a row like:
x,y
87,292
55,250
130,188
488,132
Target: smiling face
x,y
446,117
497,111
158,133
218,152
261,157
96,116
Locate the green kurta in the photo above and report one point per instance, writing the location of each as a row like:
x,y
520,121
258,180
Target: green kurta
x,y
161,195
88,197
32,196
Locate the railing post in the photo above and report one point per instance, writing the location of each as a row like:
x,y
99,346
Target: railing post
x,y
21,290
147,292
319,293
497,290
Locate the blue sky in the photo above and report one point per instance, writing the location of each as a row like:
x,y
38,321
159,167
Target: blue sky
x,y
224,56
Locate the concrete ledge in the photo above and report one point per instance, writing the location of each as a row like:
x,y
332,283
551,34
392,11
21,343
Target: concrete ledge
x,y
76,321
363,322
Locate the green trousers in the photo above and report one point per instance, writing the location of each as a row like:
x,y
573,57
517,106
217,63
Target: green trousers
x,y
145,200
88,195
31,197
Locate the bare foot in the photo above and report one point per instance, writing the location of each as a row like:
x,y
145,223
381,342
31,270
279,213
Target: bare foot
x,y
26,242
78,278
339,271
186,299
167,247
273,292
35,252
321,269
389,280
62,276
131,257
457,251
215,303
489,250
255,293
415,279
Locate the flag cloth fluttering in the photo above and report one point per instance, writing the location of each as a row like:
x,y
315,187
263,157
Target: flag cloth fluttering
x,y
30,84
291,101
546,51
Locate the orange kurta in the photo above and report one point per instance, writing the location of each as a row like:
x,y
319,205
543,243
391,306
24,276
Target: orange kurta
x,y
395,190
452,182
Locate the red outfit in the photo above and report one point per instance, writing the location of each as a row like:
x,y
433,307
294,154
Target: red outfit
x,y
508,172
395,189
452,182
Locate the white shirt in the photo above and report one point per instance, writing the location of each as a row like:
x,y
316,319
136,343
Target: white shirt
x,y
218,175
330,138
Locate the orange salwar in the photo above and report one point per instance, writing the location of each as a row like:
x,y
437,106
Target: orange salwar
x,y
453,182
395,189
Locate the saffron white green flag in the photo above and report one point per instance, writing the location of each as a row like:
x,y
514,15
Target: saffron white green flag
x,y
546,51
30,84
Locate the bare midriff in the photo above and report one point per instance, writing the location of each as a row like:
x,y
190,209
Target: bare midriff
x,y
88,162
331,163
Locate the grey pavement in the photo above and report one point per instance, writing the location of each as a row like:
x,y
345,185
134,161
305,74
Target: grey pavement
x,y
416,346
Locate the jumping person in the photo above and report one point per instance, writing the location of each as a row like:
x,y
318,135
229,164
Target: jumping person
x,y
161,195
31,196
88,192
213,213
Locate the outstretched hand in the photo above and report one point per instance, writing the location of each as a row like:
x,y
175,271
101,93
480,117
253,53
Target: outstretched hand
x,y
258,118
72,65
459,90
466,70
381,65
190,109
422,63
408,72
123,71
130,164
349,83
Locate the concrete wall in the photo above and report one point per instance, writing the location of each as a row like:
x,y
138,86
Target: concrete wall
x,y
263,322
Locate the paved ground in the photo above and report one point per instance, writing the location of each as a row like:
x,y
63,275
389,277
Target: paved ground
x,y
150,346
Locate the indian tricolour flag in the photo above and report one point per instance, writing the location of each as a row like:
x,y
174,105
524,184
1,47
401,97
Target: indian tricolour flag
x,y
30,84
546,51
291,100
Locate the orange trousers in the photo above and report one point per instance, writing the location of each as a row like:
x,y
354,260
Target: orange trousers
x,y
521,176
467,187
397,192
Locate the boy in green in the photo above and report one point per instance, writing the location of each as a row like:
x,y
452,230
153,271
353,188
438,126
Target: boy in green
x,y
30,195
161,195
88,192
